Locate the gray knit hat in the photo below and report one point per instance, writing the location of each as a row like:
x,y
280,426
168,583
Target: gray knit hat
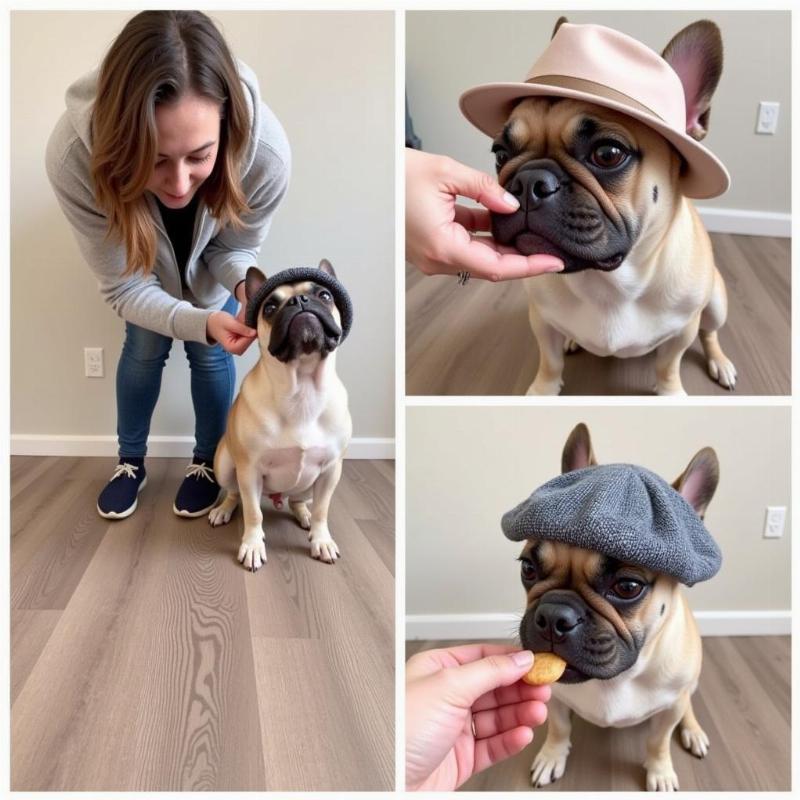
x,y
294,275
622,511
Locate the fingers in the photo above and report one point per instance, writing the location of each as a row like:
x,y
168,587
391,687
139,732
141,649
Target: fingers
x,y
232,325
498,748
482,260
465,684
497,720
473,219
236,347
469,182
516,693
430,661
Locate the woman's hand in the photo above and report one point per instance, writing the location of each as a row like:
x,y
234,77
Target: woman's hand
x,y
438,231
241,295
467,709
231,334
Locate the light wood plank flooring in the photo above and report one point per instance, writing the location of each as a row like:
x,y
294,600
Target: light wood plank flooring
x,y
476,340
743,703
144,657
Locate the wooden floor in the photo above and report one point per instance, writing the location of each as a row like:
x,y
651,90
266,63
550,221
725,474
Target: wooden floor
x,y
743,703
476,340
144,657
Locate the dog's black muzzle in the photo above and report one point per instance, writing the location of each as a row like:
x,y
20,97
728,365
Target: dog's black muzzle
x,y
558,217
303,325
563,624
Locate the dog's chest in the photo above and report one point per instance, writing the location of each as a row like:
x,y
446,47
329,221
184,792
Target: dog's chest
x,y
292,460
611,319
620,702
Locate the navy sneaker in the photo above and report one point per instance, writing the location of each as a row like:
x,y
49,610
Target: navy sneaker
x,y
120,496
199,492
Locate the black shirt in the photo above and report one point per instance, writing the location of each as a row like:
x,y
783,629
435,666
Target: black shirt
x,y
179,224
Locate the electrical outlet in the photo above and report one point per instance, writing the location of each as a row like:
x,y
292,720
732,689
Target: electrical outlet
x,y
774,522
767,117
93,362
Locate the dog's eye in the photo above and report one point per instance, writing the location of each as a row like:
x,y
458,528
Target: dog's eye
x,y
269,309
325,295
627,589
500,157
608,155
527,569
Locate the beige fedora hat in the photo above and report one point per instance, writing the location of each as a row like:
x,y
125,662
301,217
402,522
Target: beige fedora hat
x,y
610,69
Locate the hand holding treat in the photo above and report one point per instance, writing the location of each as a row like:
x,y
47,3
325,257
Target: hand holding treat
x,y
547,668
466,709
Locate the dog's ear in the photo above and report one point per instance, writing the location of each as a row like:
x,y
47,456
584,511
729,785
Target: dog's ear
x,y
559,22
326,266
699,480
253,281
695,53
578,451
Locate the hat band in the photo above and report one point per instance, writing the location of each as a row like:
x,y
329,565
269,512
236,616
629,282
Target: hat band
x,y
590,87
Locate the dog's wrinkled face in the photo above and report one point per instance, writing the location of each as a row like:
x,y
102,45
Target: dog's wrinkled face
x,y
301,318
593,611
588,180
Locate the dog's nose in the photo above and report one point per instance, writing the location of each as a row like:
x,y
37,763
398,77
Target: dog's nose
x,y
555,621
298,298
534,185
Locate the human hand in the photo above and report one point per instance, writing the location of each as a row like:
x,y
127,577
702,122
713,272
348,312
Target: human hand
x,y
229,332
438,230
240,293
467,709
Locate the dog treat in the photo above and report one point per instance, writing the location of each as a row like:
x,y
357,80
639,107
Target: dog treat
x,y
547,668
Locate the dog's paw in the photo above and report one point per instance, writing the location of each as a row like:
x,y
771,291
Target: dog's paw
x,y
302,515
548,766
221,514
721,370
324,549
253,552
670,391
540,388
571,346
695,741
661,777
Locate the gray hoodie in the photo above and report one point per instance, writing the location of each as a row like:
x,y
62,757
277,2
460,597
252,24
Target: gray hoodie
x,y
219,257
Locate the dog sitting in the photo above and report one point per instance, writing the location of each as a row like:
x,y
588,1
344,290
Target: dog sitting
x,y
600,146
289,426
606,549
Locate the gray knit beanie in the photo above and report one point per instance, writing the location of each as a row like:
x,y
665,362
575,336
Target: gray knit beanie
x,y
623,511
294,275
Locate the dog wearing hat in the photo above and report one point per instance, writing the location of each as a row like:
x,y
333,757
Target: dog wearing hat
x,y
606,551
600,145
289,426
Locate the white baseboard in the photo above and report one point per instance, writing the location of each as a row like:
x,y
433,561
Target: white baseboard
x,y
465,627
747,223
360,447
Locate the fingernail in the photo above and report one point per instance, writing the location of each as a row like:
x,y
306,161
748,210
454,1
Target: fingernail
x,y
511,200
557,267
523,659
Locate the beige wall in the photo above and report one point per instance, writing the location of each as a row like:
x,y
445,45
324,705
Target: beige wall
x,y
448,52
329,78
467,466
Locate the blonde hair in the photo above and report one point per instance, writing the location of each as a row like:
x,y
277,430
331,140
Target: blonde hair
x,y
158,58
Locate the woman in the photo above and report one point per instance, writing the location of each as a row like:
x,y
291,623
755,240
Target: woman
x,y
169,168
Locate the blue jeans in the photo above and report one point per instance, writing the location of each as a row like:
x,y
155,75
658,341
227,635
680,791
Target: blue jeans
x,y
141,364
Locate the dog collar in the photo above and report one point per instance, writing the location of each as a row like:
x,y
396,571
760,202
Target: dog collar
x,y
294,275
623,511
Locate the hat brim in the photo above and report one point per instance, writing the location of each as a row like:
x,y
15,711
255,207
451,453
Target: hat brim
x,y
488,107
